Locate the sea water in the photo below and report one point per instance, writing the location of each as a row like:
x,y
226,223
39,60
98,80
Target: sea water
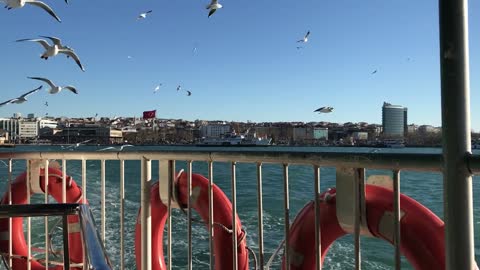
x,y
426,188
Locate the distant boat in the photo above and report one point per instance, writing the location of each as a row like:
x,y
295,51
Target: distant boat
x,y
234,139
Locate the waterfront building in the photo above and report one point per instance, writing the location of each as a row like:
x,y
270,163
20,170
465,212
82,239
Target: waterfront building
x,y
394,120
215,130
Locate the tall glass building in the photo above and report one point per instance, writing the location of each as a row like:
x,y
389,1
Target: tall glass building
x,y
394,120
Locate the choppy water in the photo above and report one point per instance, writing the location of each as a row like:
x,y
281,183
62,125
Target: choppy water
x,y
376,254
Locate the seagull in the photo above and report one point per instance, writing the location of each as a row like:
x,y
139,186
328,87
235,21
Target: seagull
x,y
143,15
179,87
21,98
305,38
55,49
375,71
46,103
116,148
157,88
213,6
71,147
188,93
54,88
324,110
21,3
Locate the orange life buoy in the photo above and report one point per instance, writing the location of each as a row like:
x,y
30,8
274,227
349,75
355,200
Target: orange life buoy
x,y
19,196
222,215
422,232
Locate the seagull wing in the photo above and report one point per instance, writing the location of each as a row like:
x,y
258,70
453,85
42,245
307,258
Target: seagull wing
x,y
55,40
150,11
308,33
211,12
44,80
107,148
42,42
319,109
30,92
72,54
71,88
45,7
7,102
189,93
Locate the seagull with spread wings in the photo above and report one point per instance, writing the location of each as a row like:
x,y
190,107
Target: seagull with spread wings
x,y
213,6
188,93
120,148
54,89
21,98
305,38
324,110
9,4
55,49
143,15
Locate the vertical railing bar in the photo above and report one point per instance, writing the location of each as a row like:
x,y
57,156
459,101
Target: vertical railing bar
x,y
171,183
64,180
102,190
45,188
357,212
122,214
189,214
396,218
29,221
10,245
146,221
260,216
286,200
456,134
318,236
234,216
84,201
210,214
66,252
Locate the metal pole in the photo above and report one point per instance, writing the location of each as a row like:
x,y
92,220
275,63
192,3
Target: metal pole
x,y
122,214
318,236
171,183
234,216
286,203
454,64
210,214
146,218
397,239
260,216
102,200
189,215
45,189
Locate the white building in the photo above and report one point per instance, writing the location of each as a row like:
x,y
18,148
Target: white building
x,y
28,129
214,130
48,123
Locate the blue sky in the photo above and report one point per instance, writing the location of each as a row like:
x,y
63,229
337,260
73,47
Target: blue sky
x,y
246,65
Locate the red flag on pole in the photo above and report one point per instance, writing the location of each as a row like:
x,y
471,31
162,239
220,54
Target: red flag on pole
x,y
149,114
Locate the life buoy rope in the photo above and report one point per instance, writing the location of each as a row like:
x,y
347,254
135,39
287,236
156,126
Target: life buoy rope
x,y
222,220
19,196
422,232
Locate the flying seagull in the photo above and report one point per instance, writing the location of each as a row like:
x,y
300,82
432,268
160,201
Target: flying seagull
x,y
21,98
324,110
54,88
143,15
21,3
71,147
116,148
305,38
179,87
213,6
375,71
46,103
55,49
188,93
157,88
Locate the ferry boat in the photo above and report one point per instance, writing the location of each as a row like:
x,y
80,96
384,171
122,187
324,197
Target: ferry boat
x,y
234,139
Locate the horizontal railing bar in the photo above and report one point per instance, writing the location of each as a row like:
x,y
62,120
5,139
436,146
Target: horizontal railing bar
x,y
409,161
38,210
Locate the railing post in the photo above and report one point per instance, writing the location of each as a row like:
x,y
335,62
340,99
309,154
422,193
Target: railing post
x,y
146,218
454,64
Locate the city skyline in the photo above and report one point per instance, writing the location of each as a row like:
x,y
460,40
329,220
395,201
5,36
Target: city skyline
x,y
358,55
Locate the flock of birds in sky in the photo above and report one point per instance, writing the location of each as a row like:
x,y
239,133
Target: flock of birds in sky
x,y
53,46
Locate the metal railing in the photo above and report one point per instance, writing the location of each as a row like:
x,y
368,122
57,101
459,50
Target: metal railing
x,y
96,257
355,162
